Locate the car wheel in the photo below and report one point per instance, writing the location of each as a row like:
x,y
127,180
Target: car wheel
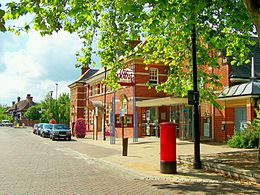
x,y
69,138
53,138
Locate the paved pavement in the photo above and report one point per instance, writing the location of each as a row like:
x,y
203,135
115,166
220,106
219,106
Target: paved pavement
x,y
144,157
30,164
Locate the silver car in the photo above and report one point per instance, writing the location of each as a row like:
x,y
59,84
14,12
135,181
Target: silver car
x,y
60,131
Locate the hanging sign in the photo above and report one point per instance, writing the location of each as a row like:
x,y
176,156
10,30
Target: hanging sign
x,y
126,76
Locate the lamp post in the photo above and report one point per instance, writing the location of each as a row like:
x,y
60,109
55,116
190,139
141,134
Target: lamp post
x,y
197,162
73,119
56,90
51,106
105,96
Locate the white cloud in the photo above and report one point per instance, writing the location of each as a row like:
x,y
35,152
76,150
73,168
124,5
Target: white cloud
x,y
35,64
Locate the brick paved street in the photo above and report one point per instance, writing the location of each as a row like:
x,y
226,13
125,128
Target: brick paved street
x,y
30,164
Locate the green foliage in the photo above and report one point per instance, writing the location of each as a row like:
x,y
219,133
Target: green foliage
x,y
4,116
2,27
247,138
58,109
222,25
33,113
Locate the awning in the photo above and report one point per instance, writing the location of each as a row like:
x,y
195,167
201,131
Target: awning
x,y
166,101
93,104
251,88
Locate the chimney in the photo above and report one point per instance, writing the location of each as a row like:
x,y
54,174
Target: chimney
x,y
13,103
84,69
134,43
18,99
29,98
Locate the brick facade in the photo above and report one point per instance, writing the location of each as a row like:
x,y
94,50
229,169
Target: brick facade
x,y
87,101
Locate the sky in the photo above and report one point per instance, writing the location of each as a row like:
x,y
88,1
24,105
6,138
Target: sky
x,y
31,64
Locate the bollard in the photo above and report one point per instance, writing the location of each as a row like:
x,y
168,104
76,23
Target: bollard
x,y
125,145
168,147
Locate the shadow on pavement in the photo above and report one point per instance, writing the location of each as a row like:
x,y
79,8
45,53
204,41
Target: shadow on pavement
x,y
209,188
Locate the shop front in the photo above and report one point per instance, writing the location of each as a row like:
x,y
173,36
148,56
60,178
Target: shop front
x,y
167,109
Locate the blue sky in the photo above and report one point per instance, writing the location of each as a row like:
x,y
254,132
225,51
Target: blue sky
x,y
31,64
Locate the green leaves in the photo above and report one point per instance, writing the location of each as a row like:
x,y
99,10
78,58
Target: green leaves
x,y
164,25
2,27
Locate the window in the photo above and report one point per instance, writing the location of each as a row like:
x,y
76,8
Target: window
x,y
153,75
97,89
125,105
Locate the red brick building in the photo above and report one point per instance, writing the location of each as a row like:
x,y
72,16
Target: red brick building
x,y
145,108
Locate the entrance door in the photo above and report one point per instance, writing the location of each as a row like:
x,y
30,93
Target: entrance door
x,y
240,118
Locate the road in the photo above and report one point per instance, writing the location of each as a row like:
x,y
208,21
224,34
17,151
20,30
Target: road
x,y
30,164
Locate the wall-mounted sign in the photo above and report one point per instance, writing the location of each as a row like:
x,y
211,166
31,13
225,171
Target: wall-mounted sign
x,y
126,76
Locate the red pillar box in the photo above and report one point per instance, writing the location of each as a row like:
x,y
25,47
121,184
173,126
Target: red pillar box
x,y
168,147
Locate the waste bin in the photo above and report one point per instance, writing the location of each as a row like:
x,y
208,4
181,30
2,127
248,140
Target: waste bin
x,y
168,147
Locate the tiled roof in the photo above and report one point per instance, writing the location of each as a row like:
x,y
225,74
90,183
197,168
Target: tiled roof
x,y
88,74
85,76
249,88
21,106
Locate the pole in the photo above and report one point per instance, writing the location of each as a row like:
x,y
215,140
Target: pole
x,y
56,91
105,102
197,162
124,140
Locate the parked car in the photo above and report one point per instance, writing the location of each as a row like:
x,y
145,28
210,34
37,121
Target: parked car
x,y
35,127
39,128
60,131
6,123
46,129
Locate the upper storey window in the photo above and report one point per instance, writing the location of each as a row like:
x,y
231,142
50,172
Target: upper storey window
x,y
153,75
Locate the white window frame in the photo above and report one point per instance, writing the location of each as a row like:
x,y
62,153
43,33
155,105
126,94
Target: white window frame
x,y
153,75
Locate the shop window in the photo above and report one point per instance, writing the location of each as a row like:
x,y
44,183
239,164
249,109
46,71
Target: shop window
x,y
153,75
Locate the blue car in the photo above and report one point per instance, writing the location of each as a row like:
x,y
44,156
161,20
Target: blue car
x,y
60,131
46,130
39,128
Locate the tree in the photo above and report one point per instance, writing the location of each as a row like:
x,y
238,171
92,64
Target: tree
x,y
4,116
222,26
63,108
258,127
2,27
58,109
33,113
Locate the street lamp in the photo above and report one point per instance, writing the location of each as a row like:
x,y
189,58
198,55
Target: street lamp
x,y
73,119
51,107
56,90
197,162
105,96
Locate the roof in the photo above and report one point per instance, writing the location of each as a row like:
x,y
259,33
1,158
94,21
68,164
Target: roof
x,y
86,75
250,88
244,71
21,106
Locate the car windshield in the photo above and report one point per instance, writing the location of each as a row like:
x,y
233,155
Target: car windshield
x,y
47,126
41,125
60,126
